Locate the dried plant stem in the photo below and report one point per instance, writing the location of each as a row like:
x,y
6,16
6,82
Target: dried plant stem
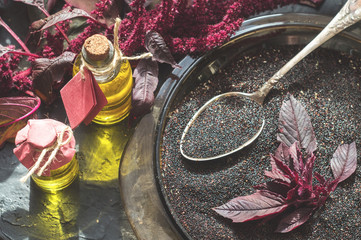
x,y
25,54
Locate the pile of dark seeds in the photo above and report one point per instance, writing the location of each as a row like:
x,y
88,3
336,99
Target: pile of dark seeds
x,y
223,126
327,83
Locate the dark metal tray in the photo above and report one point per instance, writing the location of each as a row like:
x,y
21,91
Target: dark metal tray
x,y
142,157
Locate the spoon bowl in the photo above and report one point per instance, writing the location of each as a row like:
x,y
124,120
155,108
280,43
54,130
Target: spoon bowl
x,y
243,144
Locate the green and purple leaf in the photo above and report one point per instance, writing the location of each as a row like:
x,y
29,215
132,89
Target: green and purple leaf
x,y
320,178
295,126
5,50
14,113
87,6
147,3
47,72
275,186
90,5
258,205
344,161
294,219
312,3
14,35
291,184
278,170
50,5
283,154
307,170
296,156
41,6
65,14
155,44
146,82
277,175
283,168
37,3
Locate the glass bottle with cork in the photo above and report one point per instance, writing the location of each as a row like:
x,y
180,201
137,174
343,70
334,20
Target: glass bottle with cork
x,y
112,73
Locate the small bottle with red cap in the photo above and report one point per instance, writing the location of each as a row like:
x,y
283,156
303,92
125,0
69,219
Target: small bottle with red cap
x,y
47,148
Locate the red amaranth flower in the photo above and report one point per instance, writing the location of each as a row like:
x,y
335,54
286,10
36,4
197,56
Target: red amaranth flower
x,y
22,81
76,44
55,41
8,64
186,28
101,7
190,29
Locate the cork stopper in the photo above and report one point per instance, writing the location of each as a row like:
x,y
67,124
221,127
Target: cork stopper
x,y
97,48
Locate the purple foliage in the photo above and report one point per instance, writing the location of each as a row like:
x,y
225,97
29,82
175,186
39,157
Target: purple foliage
x,y
291,186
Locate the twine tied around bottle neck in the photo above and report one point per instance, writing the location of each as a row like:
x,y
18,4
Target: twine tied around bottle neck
x,y
118,56
54,148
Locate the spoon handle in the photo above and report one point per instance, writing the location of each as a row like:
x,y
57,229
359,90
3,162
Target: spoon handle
x,y
349,14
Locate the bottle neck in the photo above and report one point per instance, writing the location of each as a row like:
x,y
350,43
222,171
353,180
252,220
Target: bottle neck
x,y
103,70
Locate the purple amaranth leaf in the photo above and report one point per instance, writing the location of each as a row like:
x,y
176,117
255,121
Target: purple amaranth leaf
x,y
109,16
37,25
14,113
258,205
312,3
295,126
277,174
276,186
189,3
65,14
146,81
320,178
292,175
47,71
294,219
344,161
147,3
283,168
5,50
14,35
50,5
292,194
87,6
308,169
304,192
37,3
41,6
331,185
283,154
296,156
155,44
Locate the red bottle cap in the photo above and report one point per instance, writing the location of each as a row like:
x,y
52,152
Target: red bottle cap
x,y
41,135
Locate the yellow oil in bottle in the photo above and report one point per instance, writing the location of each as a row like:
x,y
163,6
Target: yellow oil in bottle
x,y
116,84
59,178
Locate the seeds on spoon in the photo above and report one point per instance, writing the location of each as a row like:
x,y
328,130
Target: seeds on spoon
x,y
225,125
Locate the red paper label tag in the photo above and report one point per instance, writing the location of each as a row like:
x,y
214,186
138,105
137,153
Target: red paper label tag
x,y
83,99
